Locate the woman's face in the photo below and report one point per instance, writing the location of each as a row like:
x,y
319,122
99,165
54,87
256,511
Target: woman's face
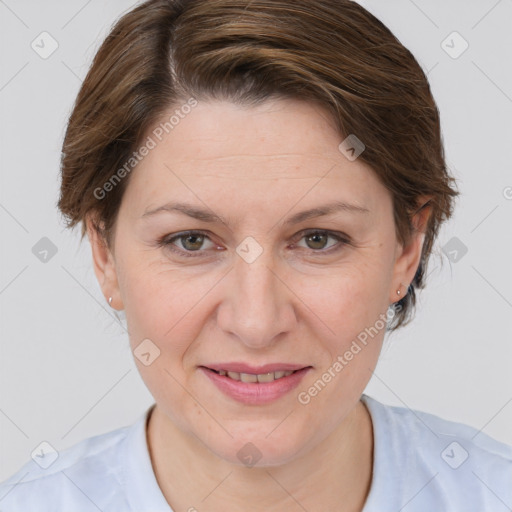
x,y
298,275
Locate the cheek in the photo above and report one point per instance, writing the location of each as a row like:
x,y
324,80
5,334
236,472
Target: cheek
x,y
158,305
353,297
353,303
163,307
163,304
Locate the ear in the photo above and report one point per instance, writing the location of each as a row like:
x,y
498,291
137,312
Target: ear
x,y
408,256
104,264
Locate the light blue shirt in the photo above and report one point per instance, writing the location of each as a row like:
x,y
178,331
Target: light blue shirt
x,y
422,463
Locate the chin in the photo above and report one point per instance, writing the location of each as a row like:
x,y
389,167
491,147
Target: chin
x,y
259,446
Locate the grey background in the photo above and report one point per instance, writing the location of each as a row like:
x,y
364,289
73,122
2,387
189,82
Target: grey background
x,y
66,371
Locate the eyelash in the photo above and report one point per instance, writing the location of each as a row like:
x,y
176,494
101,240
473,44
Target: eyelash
x,y
168,241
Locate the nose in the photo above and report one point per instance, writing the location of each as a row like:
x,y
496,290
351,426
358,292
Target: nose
x,y
258,306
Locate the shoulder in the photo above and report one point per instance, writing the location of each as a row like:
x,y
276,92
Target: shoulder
x,y
440,463
72,477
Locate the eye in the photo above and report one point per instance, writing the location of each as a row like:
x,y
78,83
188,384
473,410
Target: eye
x,y
190,241
317,240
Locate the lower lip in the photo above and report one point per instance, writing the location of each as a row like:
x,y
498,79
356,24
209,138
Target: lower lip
x,y
256,393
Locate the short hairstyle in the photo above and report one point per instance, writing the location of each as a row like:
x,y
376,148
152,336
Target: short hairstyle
x,y
333,53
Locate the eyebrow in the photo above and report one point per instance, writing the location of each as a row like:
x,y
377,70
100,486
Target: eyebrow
x,y
208,216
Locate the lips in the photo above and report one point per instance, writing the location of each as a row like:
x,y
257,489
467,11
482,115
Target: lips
x,y
256,385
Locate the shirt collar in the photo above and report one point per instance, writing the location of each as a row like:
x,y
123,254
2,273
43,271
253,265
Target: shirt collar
x,y
141,487
386,489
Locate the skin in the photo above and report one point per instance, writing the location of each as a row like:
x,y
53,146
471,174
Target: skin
x,y
256,167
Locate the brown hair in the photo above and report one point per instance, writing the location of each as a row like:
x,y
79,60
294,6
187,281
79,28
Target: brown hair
x,y
331,52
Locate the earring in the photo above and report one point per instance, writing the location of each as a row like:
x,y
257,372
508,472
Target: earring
x,y
398,292
115,310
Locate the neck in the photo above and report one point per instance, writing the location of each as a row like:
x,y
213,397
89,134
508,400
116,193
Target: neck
x,y
335,475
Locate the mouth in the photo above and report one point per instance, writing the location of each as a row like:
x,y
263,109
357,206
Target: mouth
x,y
255,385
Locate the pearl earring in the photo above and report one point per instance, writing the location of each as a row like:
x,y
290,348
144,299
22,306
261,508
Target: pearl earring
x,y
110,301
398,292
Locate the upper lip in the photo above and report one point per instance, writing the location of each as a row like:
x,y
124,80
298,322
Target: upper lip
x,y
257,370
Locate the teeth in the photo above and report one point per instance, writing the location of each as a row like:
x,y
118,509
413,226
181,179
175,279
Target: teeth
x,y
266,377
248,377
251,377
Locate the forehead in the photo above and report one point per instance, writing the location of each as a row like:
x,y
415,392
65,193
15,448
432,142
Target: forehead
x,y
278,149
274,127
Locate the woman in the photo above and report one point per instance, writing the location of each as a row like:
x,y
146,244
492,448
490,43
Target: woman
x,y
261,183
